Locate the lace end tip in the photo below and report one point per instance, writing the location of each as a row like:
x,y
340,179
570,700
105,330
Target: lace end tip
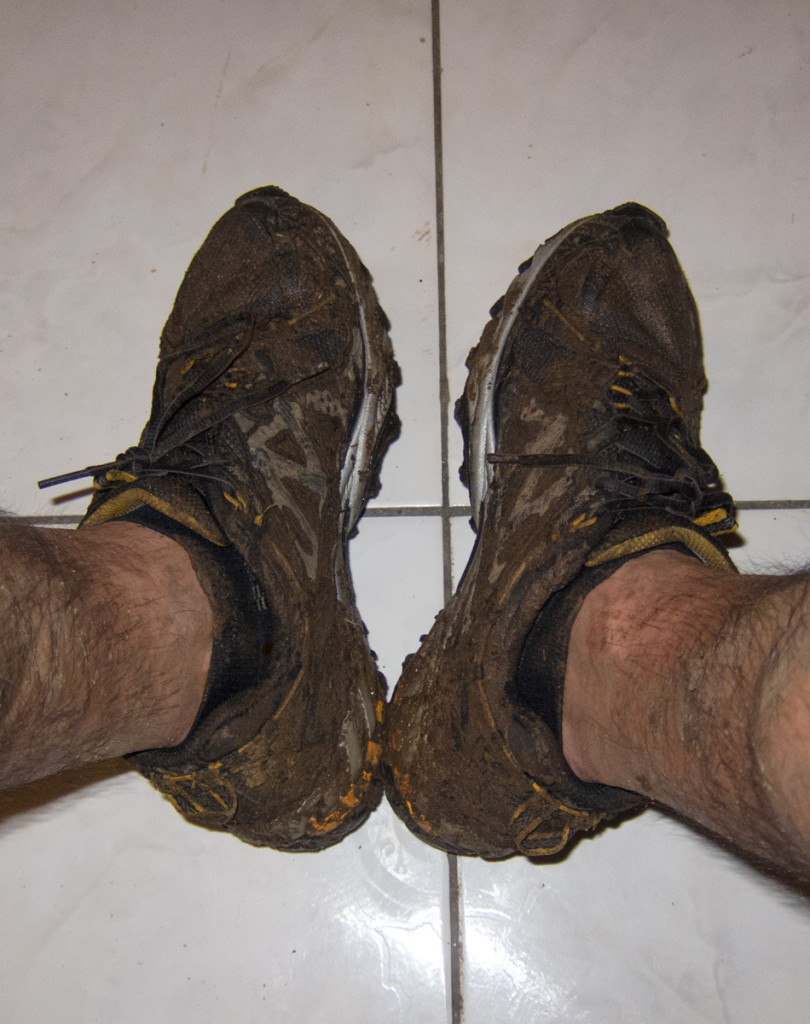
x,y
66,478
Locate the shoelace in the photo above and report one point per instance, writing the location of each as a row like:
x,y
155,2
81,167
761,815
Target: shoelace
x,y
648,459
167,444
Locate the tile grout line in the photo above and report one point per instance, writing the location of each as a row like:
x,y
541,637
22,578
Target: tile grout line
x,y
786,503
454,894
444,387
374,512
445,510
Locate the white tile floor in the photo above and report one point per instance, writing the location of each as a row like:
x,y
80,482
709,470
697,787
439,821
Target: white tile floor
x,y
126,128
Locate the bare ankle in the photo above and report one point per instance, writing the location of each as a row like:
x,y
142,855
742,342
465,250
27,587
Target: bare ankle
x,y
693,687
106,648
623,642
158,576
782,736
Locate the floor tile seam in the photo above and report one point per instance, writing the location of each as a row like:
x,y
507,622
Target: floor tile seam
x,y
441,511
449,511
455,511
454,894
784,504
375,512
444,381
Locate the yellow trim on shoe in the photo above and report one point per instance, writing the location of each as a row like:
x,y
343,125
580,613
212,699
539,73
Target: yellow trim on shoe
x,y
542,807
351,799
705,549
124,502
190,793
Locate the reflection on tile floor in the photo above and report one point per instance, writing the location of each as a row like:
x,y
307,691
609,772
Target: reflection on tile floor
x,y
117,910
126,129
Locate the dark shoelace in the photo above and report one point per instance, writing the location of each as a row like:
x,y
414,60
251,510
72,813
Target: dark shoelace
x,y
166,447
647,459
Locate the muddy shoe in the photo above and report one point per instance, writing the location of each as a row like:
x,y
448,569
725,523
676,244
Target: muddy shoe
x,y
272,406
580,419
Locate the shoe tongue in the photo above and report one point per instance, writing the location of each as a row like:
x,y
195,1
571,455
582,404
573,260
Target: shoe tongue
x,y
167,495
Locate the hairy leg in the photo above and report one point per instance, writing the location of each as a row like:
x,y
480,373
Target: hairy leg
x,y
104,647
693,687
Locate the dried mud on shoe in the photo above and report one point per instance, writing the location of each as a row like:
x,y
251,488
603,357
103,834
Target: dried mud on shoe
x,y
272,409
581,421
